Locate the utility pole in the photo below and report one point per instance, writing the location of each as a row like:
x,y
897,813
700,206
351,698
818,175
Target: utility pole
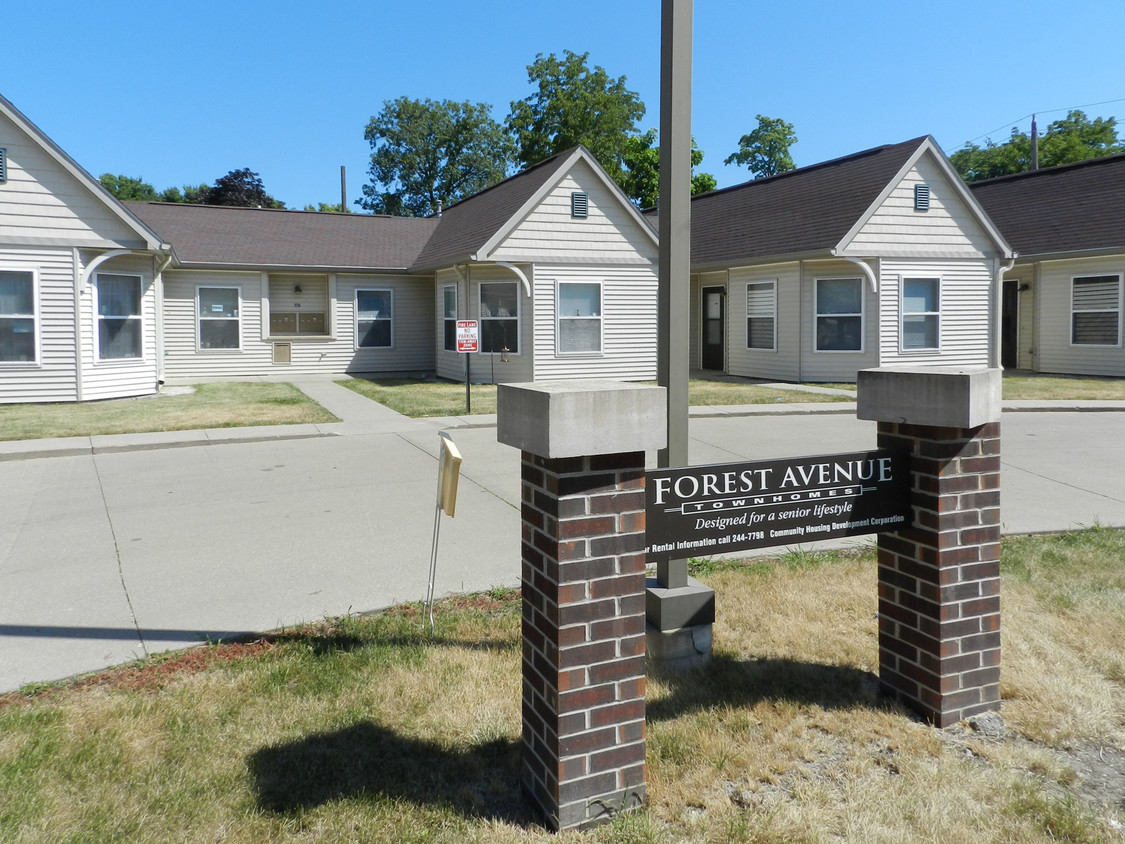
x,y
1034,145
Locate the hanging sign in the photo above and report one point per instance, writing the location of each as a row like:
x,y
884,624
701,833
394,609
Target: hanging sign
x,y
721,509
468,335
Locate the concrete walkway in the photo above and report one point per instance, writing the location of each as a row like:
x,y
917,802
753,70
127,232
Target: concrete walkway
x,y
121,546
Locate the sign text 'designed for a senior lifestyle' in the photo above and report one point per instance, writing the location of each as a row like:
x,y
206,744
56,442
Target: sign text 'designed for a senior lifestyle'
x,y
720,509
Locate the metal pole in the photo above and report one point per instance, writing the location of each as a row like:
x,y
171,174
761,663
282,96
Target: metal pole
x,y
673,306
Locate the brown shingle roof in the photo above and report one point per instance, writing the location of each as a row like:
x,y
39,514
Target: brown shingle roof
x,y
802,212
1070,208
468,225
213,235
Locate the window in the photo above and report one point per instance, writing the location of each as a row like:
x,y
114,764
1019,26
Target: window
x,y
1095,311
219,325
17,317
761,315
298,305
580,317
499,316
839,315
119,316
373,319
920,313
449,316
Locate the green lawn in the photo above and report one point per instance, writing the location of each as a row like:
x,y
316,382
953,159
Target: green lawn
x,y
367,729
212,405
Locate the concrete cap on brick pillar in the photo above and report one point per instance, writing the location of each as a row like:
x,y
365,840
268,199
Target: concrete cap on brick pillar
x,y
938,396
581,417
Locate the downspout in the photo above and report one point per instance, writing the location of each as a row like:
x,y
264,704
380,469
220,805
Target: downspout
x,y
158,283
78,391
996,324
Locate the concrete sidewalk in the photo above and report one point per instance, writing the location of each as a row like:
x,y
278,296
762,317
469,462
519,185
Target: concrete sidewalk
x,y
119,547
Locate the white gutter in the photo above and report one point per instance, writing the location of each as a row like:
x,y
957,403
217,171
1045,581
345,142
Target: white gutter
x,y
158,282
76,259
996,324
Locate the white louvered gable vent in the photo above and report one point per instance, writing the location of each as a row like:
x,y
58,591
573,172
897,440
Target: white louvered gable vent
x,y
580,204
921,197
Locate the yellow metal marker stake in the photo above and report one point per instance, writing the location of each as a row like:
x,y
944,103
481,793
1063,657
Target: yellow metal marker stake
x,y
449,472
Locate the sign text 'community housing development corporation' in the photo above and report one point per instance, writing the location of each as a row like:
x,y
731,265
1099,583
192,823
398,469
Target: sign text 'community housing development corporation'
x,y
702,510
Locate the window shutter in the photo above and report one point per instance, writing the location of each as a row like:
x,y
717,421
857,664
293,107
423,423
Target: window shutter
x,y
921,197
580,204
3,165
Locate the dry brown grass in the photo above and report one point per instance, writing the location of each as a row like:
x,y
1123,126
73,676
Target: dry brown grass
x,y
366,729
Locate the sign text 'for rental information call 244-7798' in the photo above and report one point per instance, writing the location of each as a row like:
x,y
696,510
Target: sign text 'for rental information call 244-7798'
x,y
721,509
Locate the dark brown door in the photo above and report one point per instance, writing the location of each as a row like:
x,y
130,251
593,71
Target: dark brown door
x,y
1010,326
714,313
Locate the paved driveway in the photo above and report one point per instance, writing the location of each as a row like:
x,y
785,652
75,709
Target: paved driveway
x,y
106,557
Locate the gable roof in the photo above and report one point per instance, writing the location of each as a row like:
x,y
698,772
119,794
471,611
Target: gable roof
x,y
54,151
476,225
810,212
1069,209
217,235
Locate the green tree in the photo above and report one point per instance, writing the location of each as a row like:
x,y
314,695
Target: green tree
x,y
128,188
642,170
765,151
327,208
574,104
240,188
426,153
1074,138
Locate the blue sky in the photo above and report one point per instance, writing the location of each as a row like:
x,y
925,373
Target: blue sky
x,y
179,92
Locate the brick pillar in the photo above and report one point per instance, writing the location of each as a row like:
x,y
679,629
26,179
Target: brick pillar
x,y
939,580
583,579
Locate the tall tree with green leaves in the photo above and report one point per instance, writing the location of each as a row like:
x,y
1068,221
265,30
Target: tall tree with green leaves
x,y
128,188
1071,139
427,154
242,189
642,170
765,150
575,104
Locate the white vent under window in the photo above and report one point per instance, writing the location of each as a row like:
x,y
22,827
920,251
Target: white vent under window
x,y
580,204
921,197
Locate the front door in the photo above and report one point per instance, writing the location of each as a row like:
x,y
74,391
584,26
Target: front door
x,y
1010,326
714,306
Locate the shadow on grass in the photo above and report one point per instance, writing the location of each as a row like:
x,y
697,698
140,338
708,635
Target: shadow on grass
x,y
370,761
727,681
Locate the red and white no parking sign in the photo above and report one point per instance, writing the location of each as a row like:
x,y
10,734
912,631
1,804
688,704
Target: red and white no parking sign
x,y
468,335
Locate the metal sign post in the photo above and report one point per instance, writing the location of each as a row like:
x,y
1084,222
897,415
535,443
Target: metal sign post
x,y
449,472
468,342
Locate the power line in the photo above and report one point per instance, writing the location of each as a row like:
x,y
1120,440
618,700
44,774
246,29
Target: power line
x,y
1043,111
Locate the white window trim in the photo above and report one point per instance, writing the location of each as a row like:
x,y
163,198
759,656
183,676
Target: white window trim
x,y
35,317
98,359
445,319
199,317
902,314
518,317
1120,313
559,317
772,282
390,319
862,316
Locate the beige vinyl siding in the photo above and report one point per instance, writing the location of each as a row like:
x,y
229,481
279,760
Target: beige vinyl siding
x,y
835,365
782,363
53,378
108,379
413,329
449,365
628,326
948,229
964,312
1028,310
1053,289
609,235
42,203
